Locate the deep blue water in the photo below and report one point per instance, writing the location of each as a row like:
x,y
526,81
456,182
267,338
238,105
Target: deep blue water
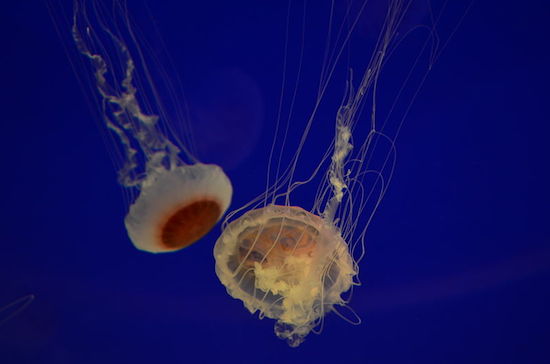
x,y
458,259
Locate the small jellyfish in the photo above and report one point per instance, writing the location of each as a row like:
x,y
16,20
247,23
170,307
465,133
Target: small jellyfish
x,y
296,265
178,208
178,198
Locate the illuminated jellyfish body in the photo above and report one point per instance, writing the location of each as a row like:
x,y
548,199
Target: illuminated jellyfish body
x,y
179,199
295,265
178,208
287,263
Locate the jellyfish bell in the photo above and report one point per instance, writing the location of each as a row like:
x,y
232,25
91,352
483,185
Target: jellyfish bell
x,y
286,263
178,207
173,198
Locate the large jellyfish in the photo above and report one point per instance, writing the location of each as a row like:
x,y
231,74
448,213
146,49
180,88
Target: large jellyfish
x,y
178,198
295,265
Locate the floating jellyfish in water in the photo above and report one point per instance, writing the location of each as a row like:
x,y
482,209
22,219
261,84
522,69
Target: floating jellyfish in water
x,y
288,264
179,199
295,265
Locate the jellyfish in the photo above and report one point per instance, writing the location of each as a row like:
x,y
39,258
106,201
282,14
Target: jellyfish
x,y
287,263
294,264
179,199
